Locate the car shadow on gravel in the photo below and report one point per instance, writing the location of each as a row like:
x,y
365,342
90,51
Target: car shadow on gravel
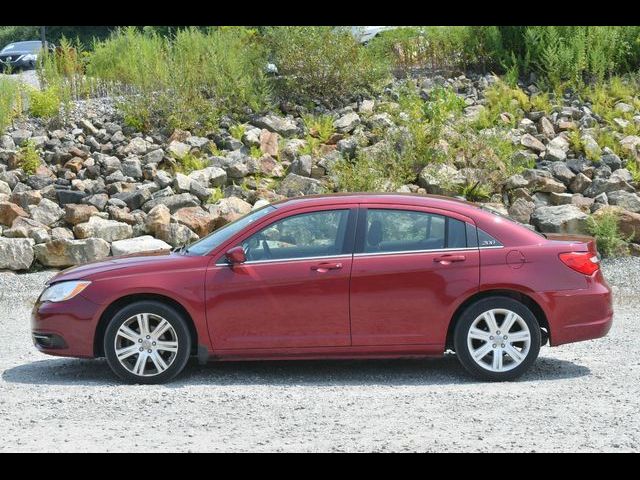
x,y
437,371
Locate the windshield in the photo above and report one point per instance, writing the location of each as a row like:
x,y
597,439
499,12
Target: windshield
x,y
22,47
221,235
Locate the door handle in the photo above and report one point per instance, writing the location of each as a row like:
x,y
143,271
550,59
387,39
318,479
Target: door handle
x,y
447,259
326,266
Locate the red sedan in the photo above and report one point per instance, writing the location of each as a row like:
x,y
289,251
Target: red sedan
x,y
338,276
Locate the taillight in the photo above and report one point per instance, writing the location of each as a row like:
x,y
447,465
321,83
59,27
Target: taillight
x,y
583,262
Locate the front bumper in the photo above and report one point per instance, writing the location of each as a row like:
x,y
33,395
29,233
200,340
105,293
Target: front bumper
x,y
13,65
577,315
65,329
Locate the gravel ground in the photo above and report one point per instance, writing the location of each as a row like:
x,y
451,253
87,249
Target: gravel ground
x,y
29,77
583,396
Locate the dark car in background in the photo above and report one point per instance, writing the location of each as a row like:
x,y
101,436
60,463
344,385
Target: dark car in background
x,y
21,55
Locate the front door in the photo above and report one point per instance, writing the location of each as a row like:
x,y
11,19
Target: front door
x,y
293,290
411,266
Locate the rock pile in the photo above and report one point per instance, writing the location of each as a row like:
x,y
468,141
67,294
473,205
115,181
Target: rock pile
x,y
103,189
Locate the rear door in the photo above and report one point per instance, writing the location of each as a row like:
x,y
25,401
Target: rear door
x,y
410,268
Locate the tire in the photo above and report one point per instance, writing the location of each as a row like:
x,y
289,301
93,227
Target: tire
x,y
156,328
497,358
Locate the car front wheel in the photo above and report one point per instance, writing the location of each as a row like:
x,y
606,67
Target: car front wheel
x,y
147,342
497,339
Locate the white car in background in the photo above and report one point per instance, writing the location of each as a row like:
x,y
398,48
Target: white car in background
x,y
364,33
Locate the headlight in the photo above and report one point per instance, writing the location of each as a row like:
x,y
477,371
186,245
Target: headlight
x,y
62,291
30,57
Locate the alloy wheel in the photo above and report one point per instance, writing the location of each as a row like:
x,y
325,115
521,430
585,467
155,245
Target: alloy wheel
x,y
499,340
146,344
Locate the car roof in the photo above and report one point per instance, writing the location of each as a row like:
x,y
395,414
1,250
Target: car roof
x,y
384,198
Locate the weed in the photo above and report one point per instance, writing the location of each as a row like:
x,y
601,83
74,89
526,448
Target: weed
x,y
44,103
604,227
29,158
237,131
320,127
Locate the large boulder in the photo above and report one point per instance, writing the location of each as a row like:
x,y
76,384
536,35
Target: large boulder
x,y
542,181
560,219
521,210
285,126
229,209
66,253
9,212
173,202
158,216
347,122
137,146
176,234
145,243
605,185
627,200
210,176
269,143
46,212
294,185
16,253
441,179
197,219
108,230
75,213
532,143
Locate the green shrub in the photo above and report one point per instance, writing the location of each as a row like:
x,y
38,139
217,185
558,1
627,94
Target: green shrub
x,y
608,237
190,163
574,55
323,63
63,72
501,98
448,49
310,147
185,81
44,103
634,170
372,172
216,195
29,158
255,152
320,127
237,131
475,192
10,102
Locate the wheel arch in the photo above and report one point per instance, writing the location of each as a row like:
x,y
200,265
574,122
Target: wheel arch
x,y
527,300
122,302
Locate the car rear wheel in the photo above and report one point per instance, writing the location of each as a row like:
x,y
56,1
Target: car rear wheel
x,y
147,342
497,338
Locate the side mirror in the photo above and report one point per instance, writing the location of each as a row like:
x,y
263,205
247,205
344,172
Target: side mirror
x,y
236,255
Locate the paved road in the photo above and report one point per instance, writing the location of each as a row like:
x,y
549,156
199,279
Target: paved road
x,y
584,396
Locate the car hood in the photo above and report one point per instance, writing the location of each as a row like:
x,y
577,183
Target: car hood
x,y
17,53
88,270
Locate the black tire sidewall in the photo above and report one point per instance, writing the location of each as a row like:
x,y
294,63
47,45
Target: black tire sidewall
x,y
166,312
464,324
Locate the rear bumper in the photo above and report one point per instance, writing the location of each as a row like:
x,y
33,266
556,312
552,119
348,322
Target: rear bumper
x,y
577,315
66,328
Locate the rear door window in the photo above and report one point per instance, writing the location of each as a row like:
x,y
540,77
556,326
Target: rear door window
x,y
388,230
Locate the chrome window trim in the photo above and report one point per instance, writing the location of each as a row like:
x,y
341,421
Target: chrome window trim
x,y
402,252
294,259
433,250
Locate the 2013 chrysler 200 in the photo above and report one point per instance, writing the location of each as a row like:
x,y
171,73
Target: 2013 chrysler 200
x,y
342,276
